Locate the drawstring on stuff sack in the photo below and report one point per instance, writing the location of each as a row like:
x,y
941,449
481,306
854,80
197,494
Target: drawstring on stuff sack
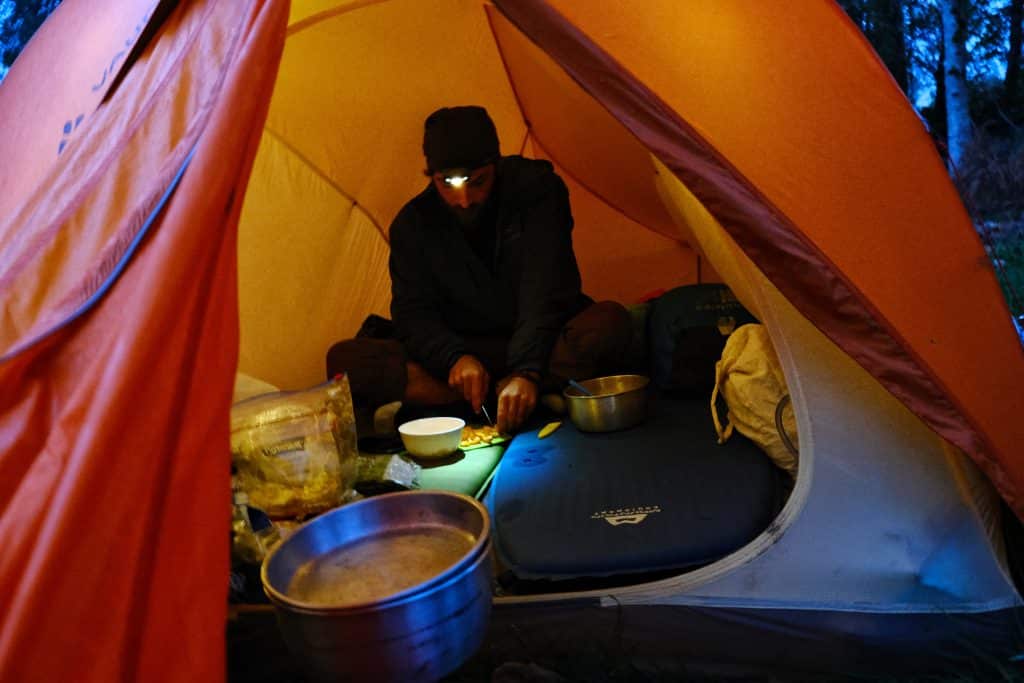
x,y
726,432
790,446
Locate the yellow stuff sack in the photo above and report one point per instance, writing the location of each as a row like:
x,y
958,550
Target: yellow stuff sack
x,y
750,380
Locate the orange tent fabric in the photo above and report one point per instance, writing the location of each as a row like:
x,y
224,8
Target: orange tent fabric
x,y
114,480
858,251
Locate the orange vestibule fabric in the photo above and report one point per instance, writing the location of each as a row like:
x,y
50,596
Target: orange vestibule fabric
x,y
117,378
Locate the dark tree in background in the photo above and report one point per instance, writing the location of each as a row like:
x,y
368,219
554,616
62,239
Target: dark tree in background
x,y
19,20
1011,82
885,26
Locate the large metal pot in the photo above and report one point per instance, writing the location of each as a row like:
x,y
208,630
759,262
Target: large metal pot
x,y
342,631
615,402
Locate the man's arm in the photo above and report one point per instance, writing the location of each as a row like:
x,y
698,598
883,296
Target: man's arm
x,y
550,285
416,302
549,288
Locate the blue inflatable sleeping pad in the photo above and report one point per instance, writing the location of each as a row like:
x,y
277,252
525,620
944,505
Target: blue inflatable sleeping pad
x,y
661,495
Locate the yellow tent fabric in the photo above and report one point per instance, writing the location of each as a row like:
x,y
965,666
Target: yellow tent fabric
x,y
341,154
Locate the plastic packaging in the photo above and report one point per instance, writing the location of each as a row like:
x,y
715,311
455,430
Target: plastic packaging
x,y
386,473
295,452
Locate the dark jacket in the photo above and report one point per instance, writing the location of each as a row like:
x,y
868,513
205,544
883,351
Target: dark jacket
x,y
443,291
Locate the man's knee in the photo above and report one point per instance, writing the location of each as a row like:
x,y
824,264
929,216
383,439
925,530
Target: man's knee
x,y
375,367
601,332
593,343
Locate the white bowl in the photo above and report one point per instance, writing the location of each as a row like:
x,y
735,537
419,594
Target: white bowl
x,y
432,437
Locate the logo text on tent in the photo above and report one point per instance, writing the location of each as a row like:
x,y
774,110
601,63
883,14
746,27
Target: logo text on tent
x,y
633,515
108,72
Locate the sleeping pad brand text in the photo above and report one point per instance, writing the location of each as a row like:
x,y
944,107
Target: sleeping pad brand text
x,y
633,515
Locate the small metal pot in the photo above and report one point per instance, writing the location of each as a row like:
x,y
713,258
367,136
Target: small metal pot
x,y
617,402
419,633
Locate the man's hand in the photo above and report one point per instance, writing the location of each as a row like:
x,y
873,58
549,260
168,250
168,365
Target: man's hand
x,y
469,377
517,397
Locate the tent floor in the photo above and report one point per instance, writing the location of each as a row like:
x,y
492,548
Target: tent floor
x,y
584,642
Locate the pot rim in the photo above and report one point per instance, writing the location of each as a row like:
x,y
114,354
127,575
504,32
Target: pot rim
x,y
482,544
397,601
574,394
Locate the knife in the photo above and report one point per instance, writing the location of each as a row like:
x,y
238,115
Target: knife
x,y
489,420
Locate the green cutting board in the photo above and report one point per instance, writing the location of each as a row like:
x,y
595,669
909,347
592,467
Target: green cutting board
x,y
465,472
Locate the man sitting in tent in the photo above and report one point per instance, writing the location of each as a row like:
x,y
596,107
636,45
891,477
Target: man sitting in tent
x,y
486,292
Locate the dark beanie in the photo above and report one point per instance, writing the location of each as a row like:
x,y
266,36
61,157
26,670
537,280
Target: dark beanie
x,y
459,137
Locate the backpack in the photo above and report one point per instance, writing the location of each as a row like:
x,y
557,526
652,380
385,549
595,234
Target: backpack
x,y
687,328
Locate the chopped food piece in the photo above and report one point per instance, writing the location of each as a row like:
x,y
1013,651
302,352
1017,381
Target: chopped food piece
x,y
548,429
475,436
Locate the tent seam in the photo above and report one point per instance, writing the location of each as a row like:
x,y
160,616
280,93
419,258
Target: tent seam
x,y
532,132
313,19
327,179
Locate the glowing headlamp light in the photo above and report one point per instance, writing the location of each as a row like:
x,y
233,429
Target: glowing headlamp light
x,y
456,181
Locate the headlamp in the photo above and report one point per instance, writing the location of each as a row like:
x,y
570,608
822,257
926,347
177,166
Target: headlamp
x,y
456,179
